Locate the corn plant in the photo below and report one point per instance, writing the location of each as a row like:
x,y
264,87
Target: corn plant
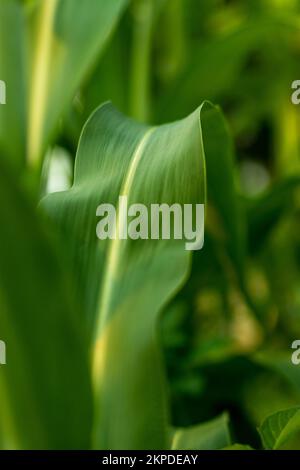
x,y
82,318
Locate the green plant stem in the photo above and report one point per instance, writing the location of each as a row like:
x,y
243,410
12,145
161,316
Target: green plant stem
x,y
174,37
143,12
39,87
286,137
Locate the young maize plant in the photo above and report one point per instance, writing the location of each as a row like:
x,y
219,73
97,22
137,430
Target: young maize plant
x,y
82,364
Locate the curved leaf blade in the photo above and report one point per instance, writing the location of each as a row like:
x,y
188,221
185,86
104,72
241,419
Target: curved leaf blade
x,y
126,283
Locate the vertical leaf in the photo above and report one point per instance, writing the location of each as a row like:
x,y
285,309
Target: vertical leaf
x,y
126,283
13,70
69,38
45,394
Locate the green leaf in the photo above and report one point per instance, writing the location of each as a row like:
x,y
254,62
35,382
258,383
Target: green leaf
x,y
281,427
222,191
126,284
217,64
45,393
54,43
13,72
212,435
69,38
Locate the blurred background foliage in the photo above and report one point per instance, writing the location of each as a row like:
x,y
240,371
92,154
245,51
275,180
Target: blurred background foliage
x,y
227,335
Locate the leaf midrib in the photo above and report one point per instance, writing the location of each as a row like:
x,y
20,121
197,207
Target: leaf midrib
x,y
114,251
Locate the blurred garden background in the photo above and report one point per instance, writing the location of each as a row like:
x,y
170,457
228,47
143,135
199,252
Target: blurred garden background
x,y
227,334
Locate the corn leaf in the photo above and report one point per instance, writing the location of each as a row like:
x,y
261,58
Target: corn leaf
x,y
217,64
223,193
45,393
70,35
124,283
13,72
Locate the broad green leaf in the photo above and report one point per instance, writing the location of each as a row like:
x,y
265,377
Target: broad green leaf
x,y
45,393
281,427
69,36
13,73
125,284
212,435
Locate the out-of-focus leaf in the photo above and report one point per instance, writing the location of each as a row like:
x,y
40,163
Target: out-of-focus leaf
x,y
127,283
222,191
70,35
13,73
212,435
145,13
279,428
282,364
216,64
264,212
45,393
